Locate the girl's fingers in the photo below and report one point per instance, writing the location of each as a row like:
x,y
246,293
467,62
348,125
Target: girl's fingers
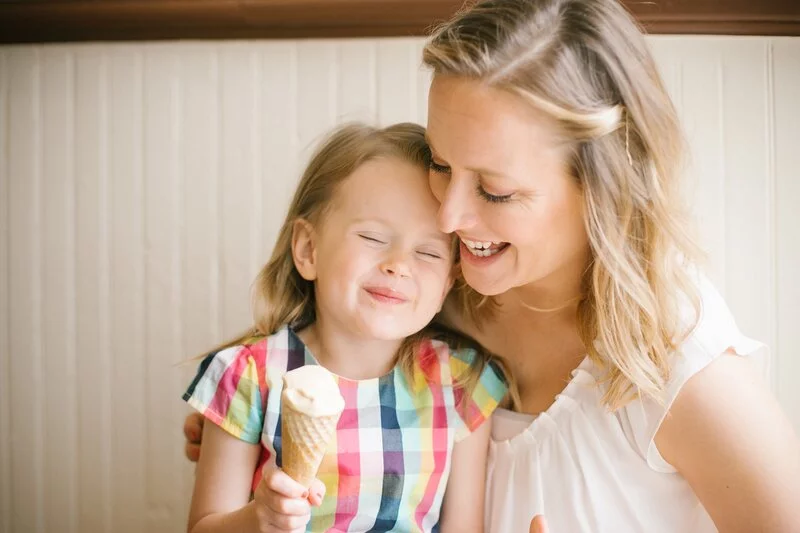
x,y
289,523
278,481
288,506
316,492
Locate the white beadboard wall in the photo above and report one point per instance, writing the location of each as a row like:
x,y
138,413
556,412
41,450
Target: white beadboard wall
x,y
141,187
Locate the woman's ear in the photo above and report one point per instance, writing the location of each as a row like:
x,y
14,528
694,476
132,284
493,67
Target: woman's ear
x,y
304,251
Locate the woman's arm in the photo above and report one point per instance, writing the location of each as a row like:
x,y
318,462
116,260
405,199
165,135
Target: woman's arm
x,y
726,434
462,509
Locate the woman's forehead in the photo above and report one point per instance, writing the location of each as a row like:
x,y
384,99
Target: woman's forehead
x,y
487,134
477,109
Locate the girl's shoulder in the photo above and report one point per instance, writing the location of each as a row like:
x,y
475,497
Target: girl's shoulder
x,y
281,346
449,352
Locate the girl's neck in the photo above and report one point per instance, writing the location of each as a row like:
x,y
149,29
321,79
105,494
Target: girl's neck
x,y
347,355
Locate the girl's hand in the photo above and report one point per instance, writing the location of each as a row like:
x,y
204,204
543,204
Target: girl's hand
x,y
282,505
538,525
193,431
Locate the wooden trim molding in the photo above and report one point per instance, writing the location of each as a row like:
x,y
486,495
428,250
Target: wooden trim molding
x,y
30,21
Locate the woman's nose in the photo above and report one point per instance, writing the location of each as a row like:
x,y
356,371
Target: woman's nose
x,y
455,211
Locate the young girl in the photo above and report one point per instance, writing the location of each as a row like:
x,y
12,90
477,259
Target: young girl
x,y
358,272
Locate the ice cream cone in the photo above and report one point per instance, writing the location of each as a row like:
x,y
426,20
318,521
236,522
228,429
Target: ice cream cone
x,y
305,439
310,408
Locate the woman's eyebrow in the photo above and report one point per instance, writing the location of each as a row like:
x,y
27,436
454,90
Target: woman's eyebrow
x,y
490,173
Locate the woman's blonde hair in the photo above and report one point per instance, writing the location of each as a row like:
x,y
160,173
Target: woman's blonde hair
x,y
281,296
585,64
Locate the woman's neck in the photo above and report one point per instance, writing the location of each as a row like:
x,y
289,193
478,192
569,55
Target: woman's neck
x,y
557,295
348,355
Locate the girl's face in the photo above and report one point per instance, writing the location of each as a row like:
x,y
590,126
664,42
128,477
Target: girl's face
x,y
381,267
504,188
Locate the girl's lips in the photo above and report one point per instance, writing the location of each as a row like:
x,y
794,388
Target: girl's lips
x,y
386,295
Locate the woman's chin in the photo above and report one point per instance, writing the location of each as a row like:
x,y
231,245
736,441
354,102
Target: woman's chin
x,y
483,285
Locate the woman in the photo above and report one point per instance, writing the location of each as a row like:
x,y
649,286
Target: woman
x,y
556,154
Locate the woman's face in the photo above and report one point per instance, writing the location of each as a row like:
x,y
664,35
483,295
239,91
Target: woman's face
x,y
504,187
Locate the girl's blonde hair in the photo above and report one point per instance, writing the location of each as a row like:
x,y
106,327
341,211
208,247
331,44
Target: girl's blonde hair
x,y
281,296
585,64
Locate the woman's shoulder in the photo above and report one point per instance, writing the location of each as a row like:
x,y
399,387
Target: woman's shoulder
x,y
711,330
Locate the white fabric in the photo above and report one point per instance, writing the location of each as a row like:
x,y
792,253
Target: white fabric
x,y
589,470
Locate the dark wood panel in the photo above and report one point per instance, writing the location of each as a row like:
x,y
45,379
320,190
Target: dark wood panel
x,y
122,20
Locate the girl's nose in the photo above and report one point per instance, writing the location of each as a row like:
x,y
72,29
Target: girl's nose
x,y
396,265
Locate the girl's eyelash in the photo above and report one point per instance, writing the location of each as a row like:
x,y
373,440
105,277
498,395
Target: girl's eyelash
x,y
493,198
370,239
430,254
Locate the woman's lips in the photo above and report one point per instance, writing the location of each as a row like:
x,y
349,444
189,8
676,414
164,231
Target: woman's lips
x,y
491,255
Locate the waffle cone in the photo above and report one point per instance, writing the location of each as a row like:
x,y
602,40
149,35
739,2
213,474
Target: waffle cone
x,y
304,442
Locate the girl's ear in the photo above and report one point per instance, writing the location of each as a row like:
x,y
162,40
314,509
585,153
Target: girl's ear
x,y
304,252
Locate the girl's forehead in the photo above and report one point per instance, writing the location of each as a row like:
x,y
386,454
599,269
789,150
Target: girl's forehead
x,y
388,186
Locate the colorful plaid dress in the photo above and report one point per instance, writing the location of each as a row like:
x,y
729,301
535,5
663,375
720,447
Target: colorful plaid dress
x,y
387,467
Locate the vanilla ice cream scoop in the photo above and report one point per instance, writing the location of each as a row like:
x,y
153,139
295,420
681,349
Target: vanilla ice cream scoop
x,y
313,391
310,408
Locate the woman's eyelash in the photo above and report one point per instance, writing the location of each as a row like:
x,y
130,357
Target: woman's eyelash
x,y
442,169
492,197
436,167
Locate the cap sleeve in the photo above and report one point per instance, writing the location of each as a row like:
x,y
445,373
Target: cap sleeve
x,y
230,390
474,407
715,333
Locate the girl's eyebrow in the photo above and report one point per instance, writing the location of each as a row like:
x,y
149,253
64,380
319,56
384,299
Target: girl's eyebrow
x,y
437,236
440,237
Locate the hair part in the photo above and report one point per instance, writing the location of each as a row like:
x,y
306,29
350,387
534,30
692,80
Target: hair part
x,y
585,65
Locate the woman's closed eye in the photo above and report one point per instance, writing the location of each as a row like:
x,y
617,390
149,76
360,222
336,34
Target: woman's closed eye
x,y
483,193
493,198
438,167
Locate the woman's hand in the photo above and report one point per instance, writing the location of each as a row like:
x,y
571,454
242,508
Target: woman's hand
x,y
282,505
193,431
538,525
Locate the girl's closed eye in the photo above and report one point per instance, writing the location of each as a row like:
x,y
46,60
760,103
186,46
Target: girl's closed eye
x,y
372,238
430,255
